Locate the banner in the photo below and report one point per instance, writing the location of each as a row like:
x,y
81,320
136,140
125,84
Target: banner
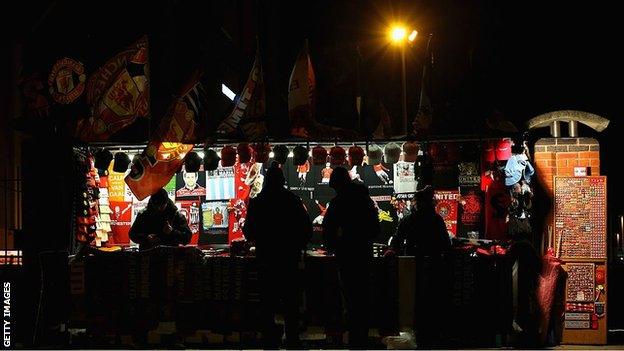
x,y
446,207
404,177
249,109
301,89
424,117
384,128
117,93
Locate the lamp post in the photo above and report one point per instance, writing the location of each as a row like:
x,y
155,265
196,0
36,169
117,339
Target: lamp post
x,y
399,36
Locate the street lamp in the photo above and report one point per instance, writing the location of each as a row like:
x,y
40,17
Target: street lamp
x,y
398,35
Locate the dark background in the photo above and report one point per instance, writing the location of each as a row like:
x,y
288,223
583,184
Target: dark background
x,y
520,58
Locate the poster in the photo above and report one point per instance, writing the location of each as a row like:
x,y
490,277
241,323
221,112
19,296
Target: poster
x,y
191,211
121,218
446,206
171,188
404,177
116,185
220,184
471,212
190,185
214,215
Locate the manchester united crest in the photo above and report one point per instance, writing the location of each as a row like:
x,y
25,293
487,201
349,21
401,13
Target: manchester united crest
x,y
66,80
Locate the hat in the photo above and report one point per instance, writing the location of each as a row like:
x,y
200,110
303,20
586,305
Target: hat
x,y
122,161
503,150
103,159
374,155
300,155
262,151
410,151
211,160
488,151
392,152
337,156
319,155
228,156
280,154
192,162
356,155
244,152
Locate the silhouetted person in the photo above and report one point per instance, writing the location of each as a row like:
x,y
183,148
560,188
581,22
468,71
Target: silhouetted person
x,y
160,224
280,227
423,234
349,226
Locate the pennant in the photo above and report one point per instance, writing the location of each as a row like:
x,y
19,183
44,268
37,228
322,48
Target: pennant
x,y
424,117
384,129
249,109
165,153
117,93
301,95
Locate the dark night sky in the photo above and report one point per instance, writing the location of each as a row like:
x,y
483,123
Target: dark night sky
x,y
522,58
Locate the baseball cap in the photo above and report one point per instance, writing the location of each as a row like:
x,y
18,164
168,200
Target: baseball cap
x,y
337,156
192,162
319,155
356,155
262,151
122,161
103,159
244,152
211,160
392,152
280,154
503,150
410,151
375,155
300,155
228,156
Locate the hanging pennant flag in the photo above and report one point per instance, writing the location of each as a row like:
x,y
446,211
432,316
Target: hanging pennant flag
x,y
165,153
384,129
117,93
301,95
249,109
424,117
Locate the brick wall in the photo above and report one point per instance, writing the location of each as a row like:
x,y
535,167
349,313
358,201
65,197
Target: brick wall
x,y
559,156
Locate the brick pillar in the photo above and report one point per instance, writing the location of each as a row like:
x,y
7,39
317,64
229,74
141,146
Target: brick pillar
x,y
559,156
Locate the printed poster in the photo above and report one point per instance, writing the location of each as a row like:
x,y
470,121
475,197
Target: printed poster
x,y
471,213
220,184
121,218
190,185
446,206
190,210
214,215
404,177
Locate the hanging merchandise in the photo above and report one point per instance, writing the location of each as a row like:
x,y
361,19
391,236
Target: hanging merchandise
x,y
192,162
122,161
211,160
446,206
518,168
375,155
319,155
103,159
262,152
244,152
300,155
410,151
228,156
337,156
392,152
280,154
356,156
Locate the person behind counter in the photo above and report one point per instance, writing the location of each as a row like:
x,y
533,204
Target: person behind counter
x,y
160,224
280,227
349,226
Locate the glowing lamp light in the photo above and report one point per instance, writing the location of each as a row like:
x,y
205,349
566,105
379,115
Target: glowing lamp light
x,y
398,34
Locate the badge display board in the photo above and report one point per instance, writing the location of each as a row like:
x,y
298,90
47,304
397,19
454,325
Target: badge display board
x,y
581,217
580,228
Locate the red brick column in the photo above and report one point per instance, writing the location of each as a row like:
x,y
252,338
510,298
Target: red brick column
x,y
559,156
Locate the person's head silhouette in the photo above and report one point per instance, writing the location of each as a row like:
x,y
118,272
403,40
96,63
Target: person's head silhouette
x,y
274,178
339,179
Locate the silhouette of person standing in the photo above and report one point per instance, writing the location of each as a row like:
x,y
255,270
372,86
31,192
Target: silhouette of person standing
x,y
280,227
423,234
349,226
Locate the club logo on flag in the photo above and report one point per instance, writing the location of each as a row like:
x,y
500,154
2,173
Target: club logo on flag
x,y
66,80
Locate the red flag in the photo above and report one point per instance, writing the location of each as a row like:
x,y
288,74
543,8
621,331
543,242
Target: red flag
x,y
118,94
249,110
301,95
165,153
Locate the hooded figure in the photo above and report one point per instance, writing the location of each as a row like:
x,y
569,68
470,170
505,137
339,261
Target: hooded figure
x,y
280,227
160,224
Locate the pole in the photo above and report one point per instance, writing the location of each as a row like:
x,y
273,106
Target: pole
x,y
404,130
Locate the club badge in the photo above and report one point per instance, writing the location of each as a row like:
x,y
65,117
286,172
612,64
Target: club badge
x,y
66,80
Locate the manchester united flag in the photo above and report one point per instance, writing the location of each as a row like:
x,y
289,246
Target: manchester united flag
x,y
249,110
301,95
117,93
163,156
